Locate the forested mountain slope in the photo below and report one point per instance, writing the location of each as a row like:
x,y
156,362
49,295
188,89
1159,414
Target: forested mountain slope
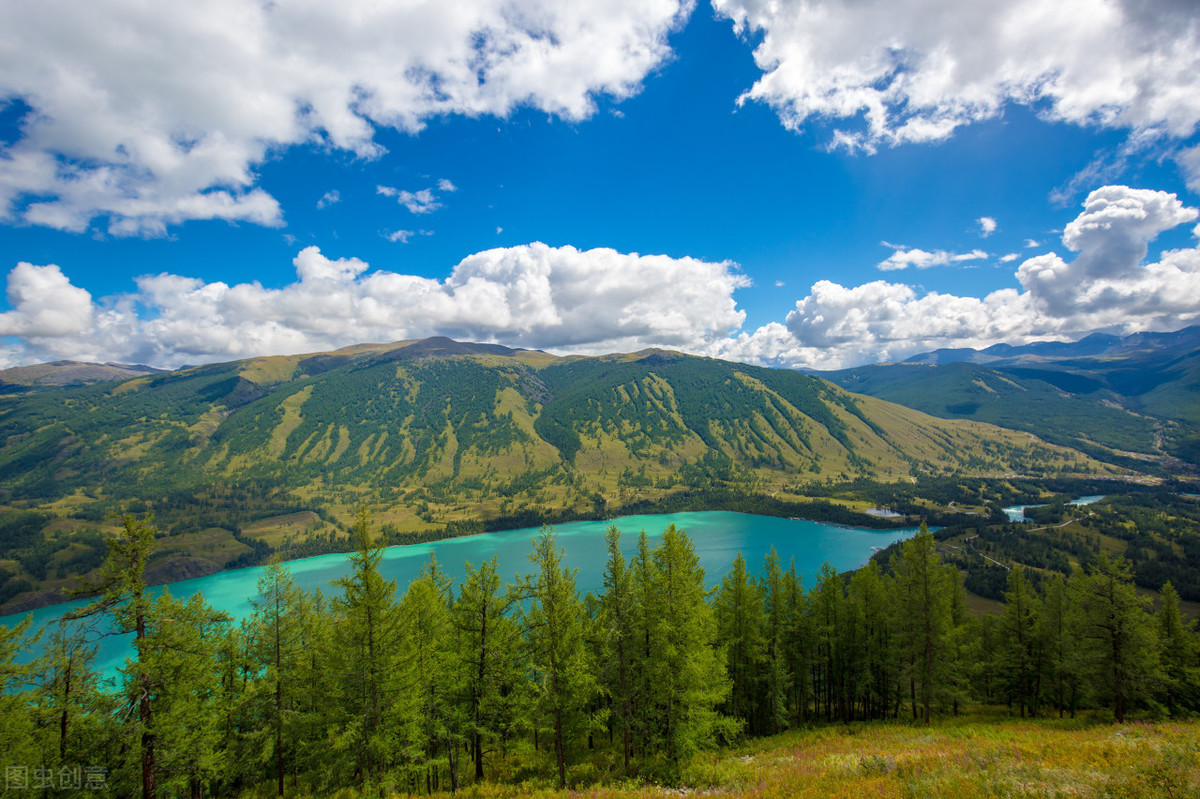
x,y
481,421
1104,395
437,437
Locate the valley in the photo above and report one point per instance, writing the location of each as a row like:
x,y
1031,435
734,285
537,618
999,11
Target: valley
x,y
440,438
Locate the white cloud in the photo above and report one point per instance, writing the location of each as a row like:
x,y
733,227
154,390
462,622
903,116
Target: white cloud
x,y
987,226
149,114
45,304
1108,286
532,295
1189,161
600,300
1030,244
1009,258
423,201
401,236
904,257
329,198
887,72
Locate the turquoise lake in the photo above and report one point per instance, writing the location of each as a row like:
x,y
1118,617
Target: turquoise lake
x,y
718,536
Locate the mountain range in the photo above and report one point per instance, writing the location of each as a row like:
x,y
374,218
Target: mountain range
x,y
488,424
238,459
1132,400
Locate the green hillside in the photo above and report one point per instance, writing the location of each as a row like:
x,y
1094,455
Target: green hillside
x,y
1137,397
433,435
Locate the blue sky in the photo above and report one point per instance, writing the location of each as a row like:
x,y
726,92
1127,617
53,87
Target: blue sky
x,y
743,179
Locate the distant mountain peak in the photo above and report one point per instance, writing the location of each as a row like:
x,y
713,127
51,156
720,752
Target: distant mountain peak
x,y
68,374
1090,346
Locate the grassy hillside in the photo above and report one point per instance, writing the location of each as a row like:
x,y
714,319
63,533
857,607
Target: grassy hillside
x,y
436,433
1129,400
977,755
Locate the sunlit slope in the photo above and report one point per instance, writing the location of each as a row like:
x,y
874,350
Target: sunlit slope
x,y
486,423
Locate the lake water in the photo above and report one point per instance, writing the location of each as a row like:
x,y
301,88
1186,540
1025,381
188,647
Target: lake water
x,y
1016,513
718,536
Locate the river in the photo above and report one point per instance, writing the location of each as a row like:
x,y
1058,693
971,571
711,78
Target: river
x,y
1016,513
717,536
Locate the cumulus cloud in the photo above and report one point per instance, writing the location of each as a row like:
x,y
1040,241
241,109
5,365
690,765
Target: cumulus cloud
x,y
1108,286
149,114
601,300
423,201
904,257
987,226
44,304
887,72
329,198
532,295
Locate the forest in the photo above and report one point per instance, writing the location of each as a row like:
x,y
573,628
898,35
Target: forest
x,y
370,689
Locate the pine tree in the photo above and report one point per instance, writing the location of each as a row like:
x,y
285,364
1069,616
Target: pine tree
x,y
1180,654
487,646
182,641
1058,630
740,619
366,635
1116,635
873,680
554,622
923,603
71,709
431,672
798,646
775,675
618,632
121,585
276,641
685,666
1021,655
17,741
826,603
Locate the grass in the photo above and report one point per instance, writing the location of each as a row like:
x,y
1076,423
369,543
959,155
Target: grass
x,y
985,755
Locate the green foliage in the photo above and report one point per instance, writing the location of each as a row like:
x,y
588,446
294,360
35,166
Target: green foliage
x,y
562,674
362,695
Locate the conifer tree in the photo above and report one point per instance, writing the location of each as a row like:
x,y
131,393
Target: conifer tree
x,y
797,630
740,619
826,604
923,604
1021,655
1116,635
431,674
121,585
487,646
183,641
366,635
1180,654
647,722
873,680
564,681
71,710
685,666
618,633
17,742
276,640
1058,630
774,671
